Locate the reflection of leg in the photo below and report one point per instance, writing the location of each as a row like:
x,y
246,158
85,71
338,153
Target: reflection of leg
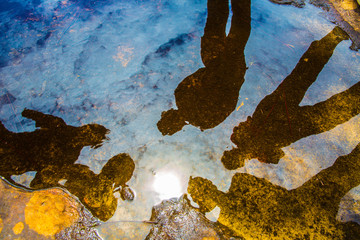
x,y
212,43
331,184
218,13
240,26
309,66
336,110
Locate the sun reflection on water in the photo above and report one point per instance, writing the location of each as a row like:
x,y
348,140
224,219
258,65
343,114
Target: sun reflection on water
x,y
167,185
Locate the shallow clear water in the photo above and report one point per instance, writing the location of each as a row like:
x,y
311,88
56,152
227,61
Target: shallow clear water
x,y
118,63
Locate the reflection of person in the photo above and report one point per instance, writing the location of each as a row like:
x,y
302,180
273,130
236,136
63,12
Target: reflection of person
x,y
208,96
55,143
254,208
95,191
52,150
279,121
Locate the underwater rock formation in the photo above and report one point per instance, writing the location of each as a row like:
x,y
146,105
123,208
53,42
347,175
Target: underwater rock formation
x,y
279,120
254,208
44,214
177,219
52,150
208,96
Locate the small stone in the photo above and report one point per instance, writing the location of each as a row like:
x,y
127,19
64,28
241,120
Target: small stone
x,y
127,193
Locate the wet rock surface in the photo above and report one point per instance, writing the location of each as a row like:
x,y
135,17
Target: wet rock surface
x,y
83,229
177,219
43,214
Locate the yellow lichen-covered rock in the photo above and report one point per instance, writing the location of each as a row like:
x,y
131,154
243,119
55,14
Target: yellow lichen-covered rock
x,y
1,225
349,4
18,228
48,214
43,215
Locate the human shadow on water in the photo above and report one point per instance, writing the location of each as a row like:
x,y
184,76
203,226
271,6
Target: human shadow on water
x,y
254,208
208,96
278,120
52,150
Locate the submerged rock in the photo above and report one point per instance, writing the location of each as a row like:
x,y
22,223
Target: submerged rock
x,y
82,229
45,214
177,219
127,193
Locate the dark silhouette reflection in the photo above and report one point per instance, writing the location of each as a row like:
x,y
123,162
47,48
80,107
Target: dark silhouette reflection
x,y
52,150
208,96
279,121
255,208
95,191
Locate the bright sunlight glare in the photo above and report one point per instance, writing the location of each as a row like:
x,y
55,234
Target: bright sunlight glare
x,y
167,185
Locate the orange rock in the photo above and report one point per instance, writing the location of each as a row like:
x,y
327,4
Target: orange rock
x,y
48,212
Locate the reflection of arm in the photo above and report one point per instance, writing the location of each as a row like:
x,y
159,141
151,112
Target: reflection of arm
x,y
292,89
309,66
43,120
336,110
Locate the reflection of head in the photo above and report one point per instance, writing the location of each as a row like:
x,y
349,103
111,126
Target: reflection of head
x,y
242,134
118,169
203,192
93,134
99,198
251,143
171,122
271,155
233,159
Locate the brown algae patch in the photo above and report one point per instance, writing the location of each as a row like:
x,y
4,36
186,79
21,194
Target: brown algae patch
x,y
48,213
